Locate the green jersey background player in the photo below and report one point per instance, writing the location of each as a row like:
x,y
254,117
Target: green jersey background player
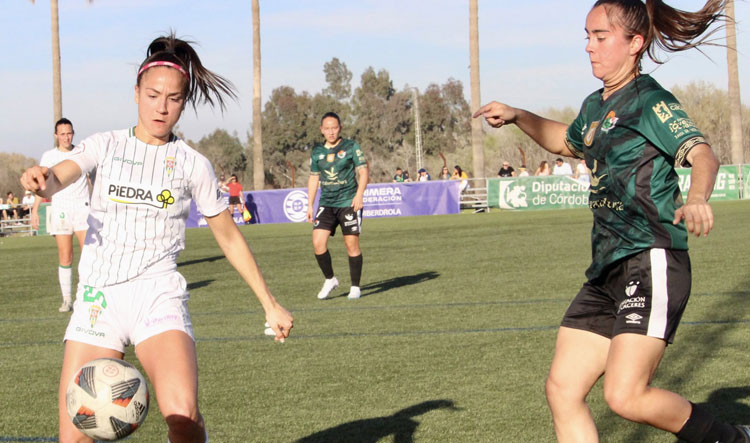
x,y
339,167
631,133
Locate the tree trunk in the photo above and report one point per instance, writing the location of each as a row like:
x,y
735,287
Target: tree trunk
x,y
258,170
735,106
56,82
477,146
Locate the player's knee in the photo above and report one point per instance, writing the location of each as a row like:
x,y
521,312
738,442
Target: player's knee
x,y
621,401
557,392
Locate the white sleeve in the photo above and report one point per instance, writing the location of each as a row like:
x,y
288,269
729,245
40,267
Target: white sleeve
x,y
90,151
205,190
46,160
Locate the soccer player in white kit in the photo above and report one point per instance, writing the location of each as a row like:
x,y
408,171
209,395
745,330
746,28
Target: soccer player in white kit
x,y
69,211
129,289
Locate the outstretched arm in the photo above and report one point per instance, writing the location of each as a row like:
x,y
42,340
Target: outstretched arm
x,y
45,182
235,248
697,213
549,134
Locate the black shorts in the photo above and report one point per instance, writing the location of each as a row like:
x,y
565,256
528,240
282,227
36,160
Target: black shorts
x,y
328,218
642,294
235,200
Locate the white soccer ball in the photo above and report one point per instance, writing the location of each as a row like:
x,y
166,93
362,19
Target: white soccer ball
x,y
107,399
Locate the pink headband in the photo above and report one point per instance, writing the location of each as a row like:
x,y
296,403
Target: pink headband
x,y
162,63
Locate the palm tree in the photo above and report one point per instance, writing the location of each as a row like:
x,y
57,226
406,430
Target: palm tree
x,y
258,172
735,106
56,76
477,146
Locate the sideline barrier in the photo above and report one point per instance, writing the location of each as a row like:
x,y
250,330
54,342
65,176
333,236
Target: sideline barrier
x,y
380,200
555,192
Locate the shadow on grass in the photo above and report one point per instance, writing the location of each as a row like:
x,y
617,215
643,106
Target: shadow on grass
x,y
400,425
199,284
396,282
200,260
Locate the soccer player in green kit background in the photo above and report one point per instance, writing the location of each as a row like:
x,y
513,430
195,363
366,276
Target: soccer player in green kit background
x,y
339,167
632,133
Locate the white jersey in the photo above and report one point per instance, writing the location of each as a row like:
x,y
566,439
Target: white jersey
x,y
74,196
140,200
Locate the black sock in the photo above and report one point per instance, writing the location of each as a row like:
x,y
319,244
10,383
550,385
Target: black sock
x,y
701,427
355,269
324,261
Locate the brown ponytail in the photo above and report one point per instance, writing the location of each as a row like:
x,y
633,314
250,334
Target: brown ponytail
x,y
202,84
663,26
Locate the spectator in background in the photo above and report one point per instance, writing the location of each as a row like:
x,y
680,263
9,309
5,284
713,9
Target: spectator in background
x,y
406,177
236,199
582,172
562,168
12,211
27,203
460,174
423,175
444,174
522,171
222,183
543,169
506,171
399,177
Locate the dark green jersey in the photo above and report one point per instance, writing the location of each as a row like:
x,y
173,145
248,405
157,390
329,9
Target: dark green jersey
x,y
632,142
337,168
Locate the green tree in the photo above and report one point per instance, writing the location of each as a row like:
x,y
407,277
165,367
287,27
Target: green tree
x,y
225,152
339,80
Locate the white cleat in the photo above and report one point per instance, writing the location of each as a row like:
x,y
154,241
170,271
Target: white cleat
x,y
66,306
268,331
329,285
354,293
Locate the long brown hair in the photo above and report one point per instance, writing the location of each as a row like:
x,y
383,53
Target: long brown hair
x,y
201,83
663,26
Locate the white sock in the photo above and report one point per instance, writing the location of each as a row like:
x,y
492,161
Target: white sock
x,y
65,275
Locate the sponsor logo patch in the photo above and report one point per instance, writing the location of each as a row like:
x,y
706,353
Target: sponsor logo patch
x,y
588,139
662,111
633,318
139,194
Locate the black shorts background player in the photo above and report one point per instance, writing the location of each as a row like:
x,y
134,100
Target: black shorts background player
x,y
631,133
339,167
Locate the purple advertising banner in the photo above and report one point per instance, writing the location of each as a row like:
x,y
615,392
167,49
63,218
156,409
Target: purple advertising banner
x,y
380,200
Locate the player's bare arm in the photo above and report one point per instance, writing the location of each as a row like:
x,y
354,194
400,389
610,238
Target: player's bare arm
x,y
697,213
364,178
312,190
45,182
549,134
235,248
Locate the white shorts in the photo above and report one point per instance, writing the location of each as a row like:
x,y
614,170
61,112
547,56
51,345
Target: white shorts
x,y
66,221
116,316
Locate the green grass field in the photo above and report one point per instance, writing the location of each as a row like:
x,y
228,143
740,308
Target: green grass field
x,y
451,341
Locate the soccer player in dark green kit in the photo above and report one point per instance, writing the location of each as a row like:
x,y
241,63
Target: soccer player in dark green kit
x,y
339,167
631,133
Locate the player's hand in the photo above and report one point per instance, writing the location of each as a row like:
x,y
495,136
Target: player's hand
x,y
698,216
309,214
496,114
357,203
34,179
35,220
281,321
